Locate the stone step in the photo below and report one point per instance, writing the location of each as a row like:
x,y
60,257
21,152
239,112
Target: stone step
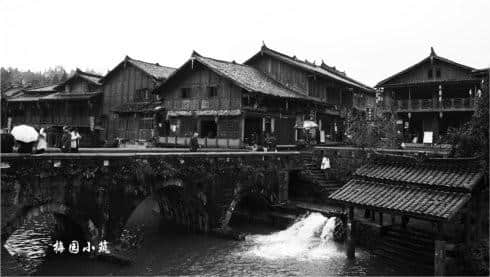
x,y
416,269
407,249
404,234
405,257
416,244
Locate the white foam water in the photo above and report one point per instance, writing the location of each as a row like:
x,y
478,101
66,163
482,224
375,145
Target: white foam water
x,y
310,237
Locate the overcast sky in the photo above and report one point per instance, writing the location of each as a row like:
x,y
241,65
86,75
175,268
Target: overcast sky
x,y
370,40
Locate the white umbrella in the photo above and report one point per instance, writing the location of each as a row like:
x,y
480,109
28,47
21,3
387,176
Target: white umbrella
x,y
307,124
25,133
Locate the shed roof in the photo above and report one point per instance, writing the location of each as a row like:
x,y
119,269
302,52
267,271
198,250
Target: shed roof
x,y
70,96
321,69
428,188
136,107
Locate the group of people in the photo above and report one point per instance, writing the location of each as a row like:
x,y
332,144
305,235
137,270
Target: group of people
x,y
9,143
70,140
265,143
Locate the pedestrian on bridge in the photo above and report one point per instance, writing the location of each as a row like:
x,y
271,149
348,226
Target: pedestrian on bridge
x,y
65,140
194,143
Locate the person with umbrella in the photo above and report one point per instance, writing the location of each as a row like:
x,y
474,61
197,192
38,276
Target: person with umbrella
x,y
306,126
26,136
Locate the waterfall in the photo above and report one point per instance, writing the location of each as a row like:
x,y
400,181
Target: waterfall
x,y
310,237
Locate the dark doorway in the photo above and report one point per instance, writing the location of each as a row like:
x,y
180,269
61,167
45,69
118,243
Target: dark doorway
x,y
253,129
209,129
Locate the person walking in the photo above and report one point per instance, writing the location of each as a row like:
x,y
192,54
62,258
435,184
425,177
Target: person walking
x,y
75,140
42,144
194,143
65,140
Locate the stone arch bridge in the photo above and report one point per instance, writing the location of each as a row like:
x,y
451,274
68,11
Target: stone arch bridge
x,y
99,191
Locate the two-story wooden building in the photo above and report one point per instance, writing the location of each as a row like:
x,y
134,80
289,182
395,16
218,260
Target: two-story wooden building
x,y
431,96
74,103
333,87
229,103
128,104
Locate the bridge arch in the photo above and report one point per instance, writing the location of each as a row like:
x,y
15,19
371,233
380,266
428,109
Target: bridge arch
x,y
86,224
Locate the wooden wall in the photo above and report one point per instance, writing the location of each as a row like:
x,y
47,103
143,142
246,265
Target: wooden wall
x,y
331,91
121,88
198,80
420,73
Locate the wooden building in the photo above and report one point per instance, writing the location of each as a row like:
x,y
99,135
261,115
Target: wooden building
x,y
424,213
229,103
431,96
333,87
128,104
74,103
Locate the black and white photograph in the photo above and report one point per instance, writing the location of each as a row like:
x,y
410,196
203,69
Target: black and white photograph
x,y
244,138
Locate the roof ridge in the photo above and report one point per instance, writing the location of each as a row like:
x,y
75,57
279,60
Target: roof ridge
x,y
78,70
337,73
149,63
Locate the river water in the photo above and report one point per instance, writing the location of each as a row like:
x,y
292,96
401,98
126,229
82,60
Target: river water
x,y
305,248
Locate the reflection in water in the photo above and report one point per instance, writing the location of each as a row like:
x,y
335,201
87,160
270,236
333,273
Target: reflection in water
x,y
29,244
304,249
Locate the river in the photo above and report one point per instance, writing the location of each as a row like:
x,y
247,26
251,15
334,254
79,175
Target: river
x,y
305,248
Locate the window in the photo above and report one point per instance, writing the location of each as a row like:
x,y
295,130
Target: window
x,y
429,74
212,91
146,123
142,94
185,93
438,73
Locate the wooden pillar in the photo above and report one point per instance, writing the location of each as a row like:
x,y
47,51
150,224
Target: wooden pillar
x,y
381,219
393,219
242,130
439,252
351,248
405,220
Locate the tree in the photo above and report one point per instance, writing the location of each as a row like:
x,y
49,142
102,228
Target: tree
x,y
372,130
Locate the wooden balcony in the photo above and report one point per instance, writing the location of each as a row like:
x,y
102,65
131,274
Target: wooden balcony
x,y
202,104
447,104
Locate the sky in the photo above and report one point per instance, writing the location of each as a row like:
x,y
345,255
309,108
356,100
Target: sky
x,y
370,40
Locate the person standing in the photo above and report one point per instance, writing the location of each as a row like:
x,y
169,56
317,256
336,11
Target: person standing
x,y
75,140
65,140
42,144
194,143
7,141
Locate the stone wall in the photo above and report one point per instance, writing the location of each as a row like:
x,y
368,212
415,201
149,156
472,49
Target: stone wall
x,y
101,192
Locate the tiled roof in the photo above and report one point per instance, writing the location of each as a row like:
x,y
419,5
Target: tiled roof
x,y
423,174
44,89
93,78
155,70
401,198
245,77
33,94
322,69
434,188
135,107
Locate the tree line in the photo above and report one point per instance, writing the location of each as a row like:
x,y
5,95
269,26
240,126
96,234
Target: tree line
x,y
13,77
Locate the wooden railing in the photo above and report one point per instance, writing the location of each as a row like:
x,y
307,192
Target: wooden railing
x,y
202,104
434,104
